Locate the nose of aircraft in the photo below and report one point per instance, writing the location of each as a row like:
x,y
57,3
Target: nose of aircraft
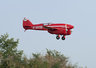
x,y
71,26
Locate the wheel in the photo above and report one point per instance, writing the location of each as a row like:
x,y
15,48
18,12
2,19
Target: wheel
x,y
63,38
57,37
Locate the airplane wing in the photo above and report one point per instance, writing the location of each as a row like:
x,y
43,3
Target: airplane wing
x,y
49,28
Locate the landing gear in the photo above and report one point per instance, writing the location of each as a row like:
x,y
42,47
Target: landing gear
x,y
58,37
63,37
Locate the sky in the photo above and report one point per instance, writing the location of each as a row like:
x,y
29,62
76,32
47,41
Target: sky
x,y
80,47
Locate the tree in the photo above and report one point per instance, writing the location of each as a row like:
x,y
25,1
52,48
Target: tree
x,y
52,59
10,55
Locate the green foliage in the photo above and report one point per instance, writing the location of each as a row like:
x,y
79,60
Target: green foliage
x,y
10,57
9,52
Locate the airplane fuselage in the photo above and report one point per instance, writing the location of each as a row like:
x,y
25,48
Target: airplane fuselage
x,y
57,26
58,29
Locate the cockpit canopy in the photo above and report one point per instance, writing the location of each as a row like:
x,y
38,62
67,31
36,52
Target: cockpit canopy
x,y
47,23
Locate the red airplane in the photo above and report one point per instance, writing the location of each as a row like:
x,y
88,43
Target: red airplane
x,y
58,29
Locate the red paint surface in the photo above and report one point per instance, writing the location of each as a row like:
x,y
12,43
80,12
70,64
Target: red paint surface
x,y
58,29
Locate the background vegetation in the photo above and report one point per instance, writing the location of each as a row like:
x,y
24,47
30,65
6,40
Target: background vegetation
x,y
10,57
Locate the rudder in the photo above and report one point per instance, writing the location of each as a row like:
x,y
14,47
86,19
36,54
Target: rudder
x,y
27,24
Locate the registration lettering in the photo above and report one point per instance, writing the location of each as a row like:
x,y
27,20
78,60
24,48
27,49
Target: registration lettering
x,y
37,27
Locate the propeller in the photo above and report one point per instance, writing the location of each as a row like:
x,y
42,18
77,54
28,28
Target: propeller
x,y
71,31
66,27
24,30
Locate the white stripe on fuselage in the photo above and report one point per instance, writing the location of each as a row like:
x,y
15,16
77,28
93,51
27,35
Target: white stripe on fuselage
x,y
55,26
41,27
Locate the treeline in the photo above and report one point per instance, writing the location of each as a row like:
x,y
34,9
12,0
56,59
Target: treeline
x,y
10,57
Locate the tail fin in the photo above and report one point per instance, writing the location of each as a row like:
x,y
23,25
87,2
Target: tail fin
x,y
27,24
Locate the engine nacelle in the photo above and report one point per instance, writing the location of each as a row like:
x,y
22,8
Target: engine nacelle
x,y
61,32
68,32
